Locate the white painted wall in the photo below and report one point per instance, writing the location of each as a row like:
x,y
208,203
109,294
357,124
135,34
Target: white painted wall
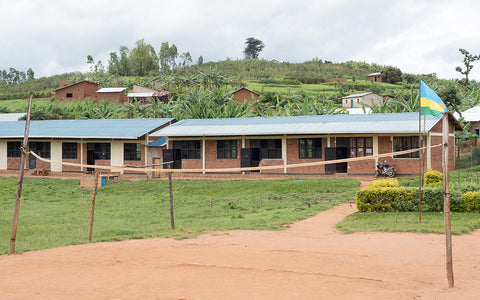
x,y
3,155
56,155
116,155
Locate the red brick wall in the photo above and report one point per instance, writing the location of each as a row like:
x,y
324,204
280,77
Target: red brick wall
x,y
13,163
81,90
211,156
241,95
362,167
292,158
117,98
271,162
191,163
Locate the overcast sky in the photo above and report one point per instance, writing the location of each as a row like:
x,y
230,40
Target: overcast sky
x,y
54,37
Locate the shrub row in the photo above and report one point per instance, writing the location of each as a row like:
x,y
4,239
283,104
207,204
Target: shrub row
x,y
403,199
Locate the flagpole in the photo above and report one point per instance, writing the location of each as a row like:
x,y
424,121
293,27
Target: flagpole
x,y
420,156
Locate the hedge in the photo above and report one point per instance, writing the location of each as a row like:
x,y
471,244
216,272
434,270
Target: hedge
x,y
403,199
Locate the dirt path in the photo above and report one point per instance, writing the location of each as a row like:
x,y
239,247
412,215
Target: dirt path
x,y
310,260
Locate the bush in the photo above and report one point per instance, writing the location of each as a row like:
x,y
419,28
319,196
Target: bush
x,y
383,199
387,182
433,178
471,202
402,199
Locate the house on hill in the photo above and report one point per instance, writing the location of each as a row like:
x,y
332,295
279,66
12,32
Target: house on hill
x,y
243,94
78,90
143,95
368,99
472,115
269,141
105,142
114,95
375,77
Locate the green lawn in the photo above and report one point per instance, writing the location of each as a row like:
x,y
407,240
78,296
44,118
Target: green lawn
x,y
56,212
21,105
408,222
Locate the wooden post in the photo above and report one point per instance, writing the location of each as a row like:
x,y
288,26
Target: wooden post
x,y
16,211
446,202
172,222
420,154
92,209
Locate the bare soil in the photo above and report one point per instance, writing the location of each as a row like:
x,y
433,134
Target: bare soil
x,y
309,260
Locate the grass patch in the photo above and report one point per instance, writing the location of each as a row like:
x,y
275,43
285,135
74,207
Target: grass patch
x,y
56,212
21,105
408,222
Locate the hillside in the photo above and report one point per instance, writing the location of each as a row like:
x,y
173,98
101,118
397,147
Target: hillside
x,y
285,89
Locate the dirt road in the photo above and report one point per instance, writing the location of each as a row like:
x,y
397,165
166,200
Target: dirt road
x,y
310,260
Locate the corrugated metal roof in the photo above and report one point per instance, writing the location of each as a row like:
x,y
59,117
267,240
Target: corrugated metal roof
x,y
357,95
323,124
111,90
104,128
11,116
471,114
374,74
140,95
159,142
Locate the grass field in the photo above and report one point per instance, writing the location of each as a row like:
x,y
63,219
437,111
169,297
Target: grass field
x,y
408,222
56,212
21,105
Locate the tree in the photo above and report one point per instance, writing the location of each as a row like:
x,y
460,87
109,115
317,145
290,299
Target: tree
x,y
30,74
468,59
391,75
143,59
200,60
186,59
253,48
167,57
113,64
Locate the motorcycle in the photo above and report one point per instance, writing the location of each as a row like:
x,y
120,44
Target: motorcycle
x,y
385,169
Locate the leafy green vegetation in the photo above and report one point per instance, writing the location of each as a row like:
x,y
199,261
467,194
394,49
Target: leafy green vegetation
x,y
56,212
462,181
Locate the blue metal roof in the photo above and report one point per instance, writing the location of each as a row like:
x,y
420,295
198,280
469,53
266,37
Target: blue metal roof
x,y
103,128
321,124
158,142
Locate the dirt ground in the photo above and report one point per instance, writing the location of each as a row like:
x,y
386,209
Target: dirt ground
x,y
310,260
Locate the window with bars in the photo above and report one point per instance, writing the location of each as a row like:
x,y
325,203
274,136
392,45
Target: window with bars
x,y
190,149
226,149
69,150
13,149
361,146
402,143
132,151
101,151
310,148
41,148
269,149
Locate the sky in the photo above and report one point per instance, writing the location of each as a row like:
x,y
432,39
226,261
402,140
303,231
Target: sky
x,y
417,36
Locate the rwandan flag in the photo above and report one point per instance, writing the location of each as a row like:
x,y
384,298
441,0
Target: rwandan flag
x,y
430,103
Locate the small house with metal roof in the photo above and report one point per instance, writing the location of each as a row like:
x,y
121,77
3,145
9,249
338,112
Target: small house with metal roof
x,y
368,99
79,90
267,141
106,142
114,95
375,77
